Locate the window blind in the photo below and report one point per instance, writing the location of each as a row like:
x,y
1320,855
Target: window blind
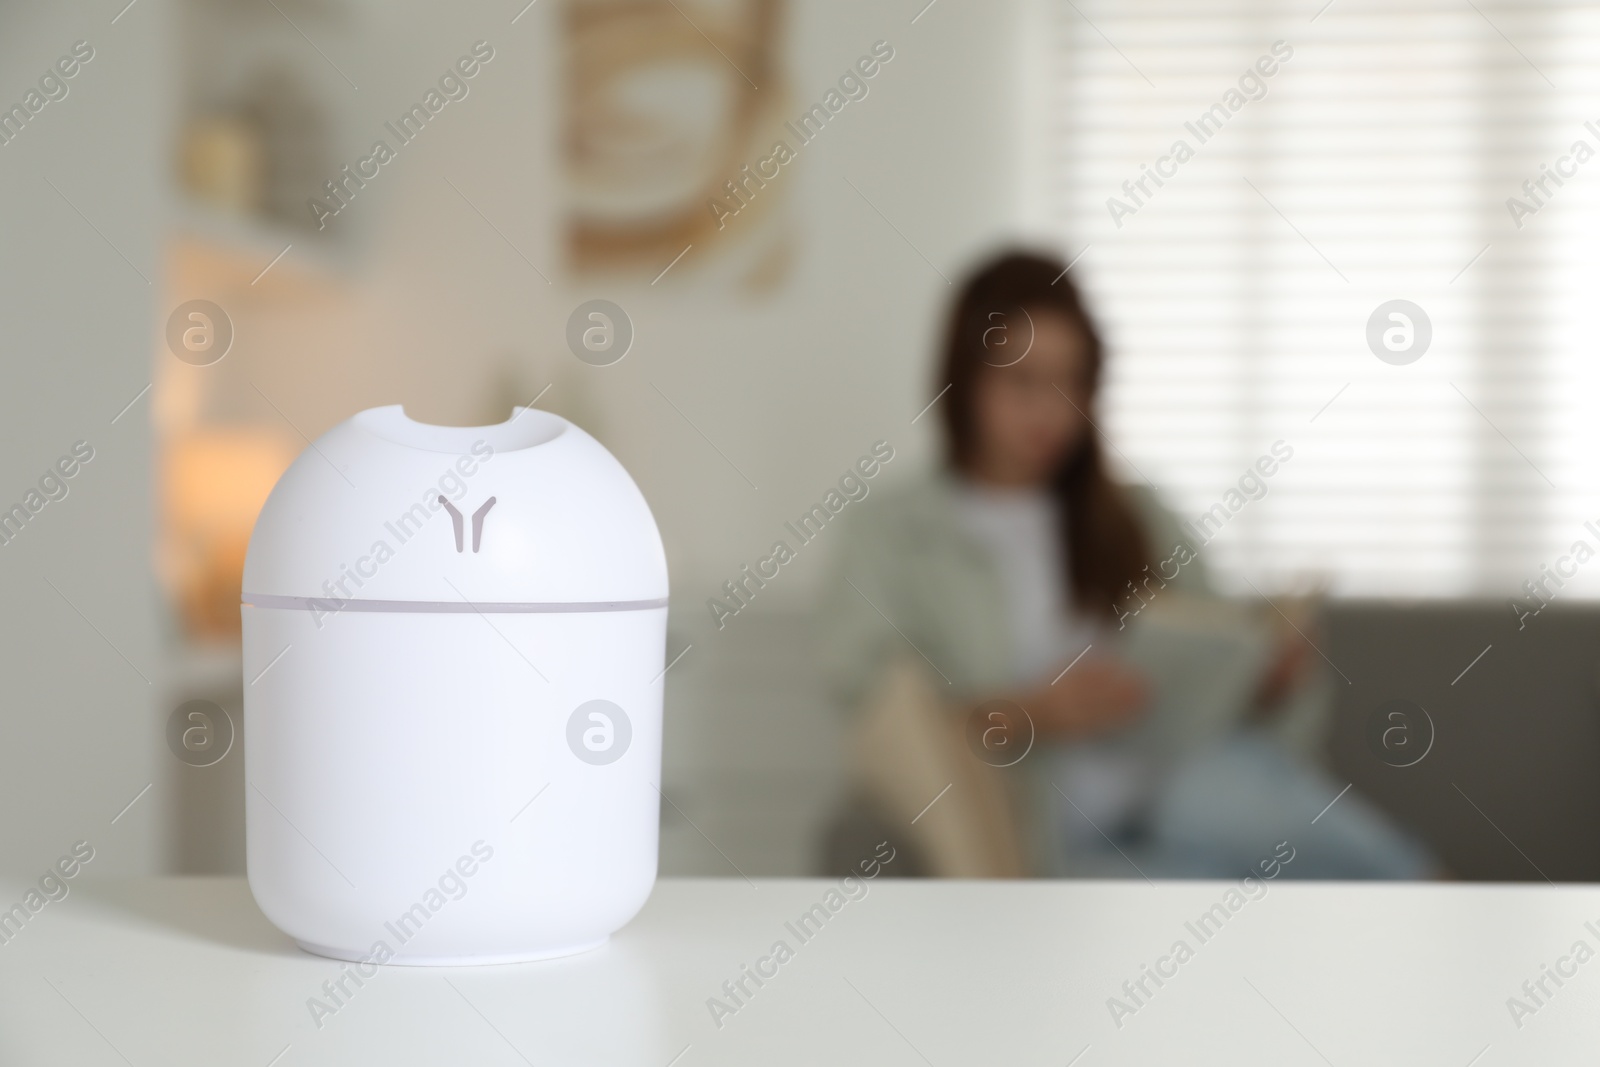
x,y
1399,150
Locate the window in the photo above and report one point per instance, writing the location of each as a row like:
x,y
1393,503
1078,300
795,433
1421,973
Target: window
x,y
1375,163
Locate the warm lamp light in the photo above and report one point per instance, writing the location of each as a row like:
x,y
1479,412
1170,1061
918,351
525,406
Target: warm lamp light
x,y
214,482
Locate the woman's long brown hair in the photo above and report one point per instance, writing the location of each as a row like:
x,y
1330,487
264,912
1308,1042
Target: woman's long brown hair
x,y
1103,544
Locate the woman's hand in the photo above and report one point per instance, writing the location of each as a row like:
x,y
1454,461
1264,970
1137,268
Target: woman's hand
x,y
1290,665
1096,696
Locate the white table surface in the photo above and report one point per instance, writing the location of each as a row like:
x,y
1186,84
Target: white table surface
x,y
175,972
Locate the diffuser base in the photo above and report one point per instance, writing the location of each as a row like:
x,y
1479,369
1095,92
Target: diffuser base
x,y
488,959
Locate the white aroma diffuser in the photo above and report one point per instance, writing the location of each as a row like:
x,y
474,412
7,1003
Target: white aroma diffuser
x,y
453,650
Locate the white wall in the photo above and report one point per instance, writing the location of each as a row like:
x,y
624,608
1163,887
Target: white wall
x,y
81,726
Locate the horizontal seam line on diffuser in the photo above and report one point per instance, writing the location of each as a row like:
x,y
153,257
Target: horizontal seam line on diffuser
x,y
330,604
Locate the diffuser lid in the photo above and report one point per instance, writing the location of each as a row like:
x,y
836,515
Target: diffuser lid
x,y
386,511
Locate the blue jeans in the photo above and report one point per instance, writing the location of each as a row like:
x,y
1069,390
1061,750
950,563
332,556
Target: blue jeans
x,y
1222,811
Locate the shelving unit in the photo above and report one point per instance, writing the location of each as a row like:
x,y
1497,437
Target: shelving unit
x,y
257,113
258,255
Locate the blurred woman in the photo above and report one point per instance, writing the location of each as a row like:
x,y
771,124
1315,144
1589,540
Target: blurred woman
x,y
1006,576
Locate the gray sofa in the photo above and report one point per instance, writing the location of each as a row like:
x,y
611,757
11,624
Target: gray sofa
x,y
754,767
1510,790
